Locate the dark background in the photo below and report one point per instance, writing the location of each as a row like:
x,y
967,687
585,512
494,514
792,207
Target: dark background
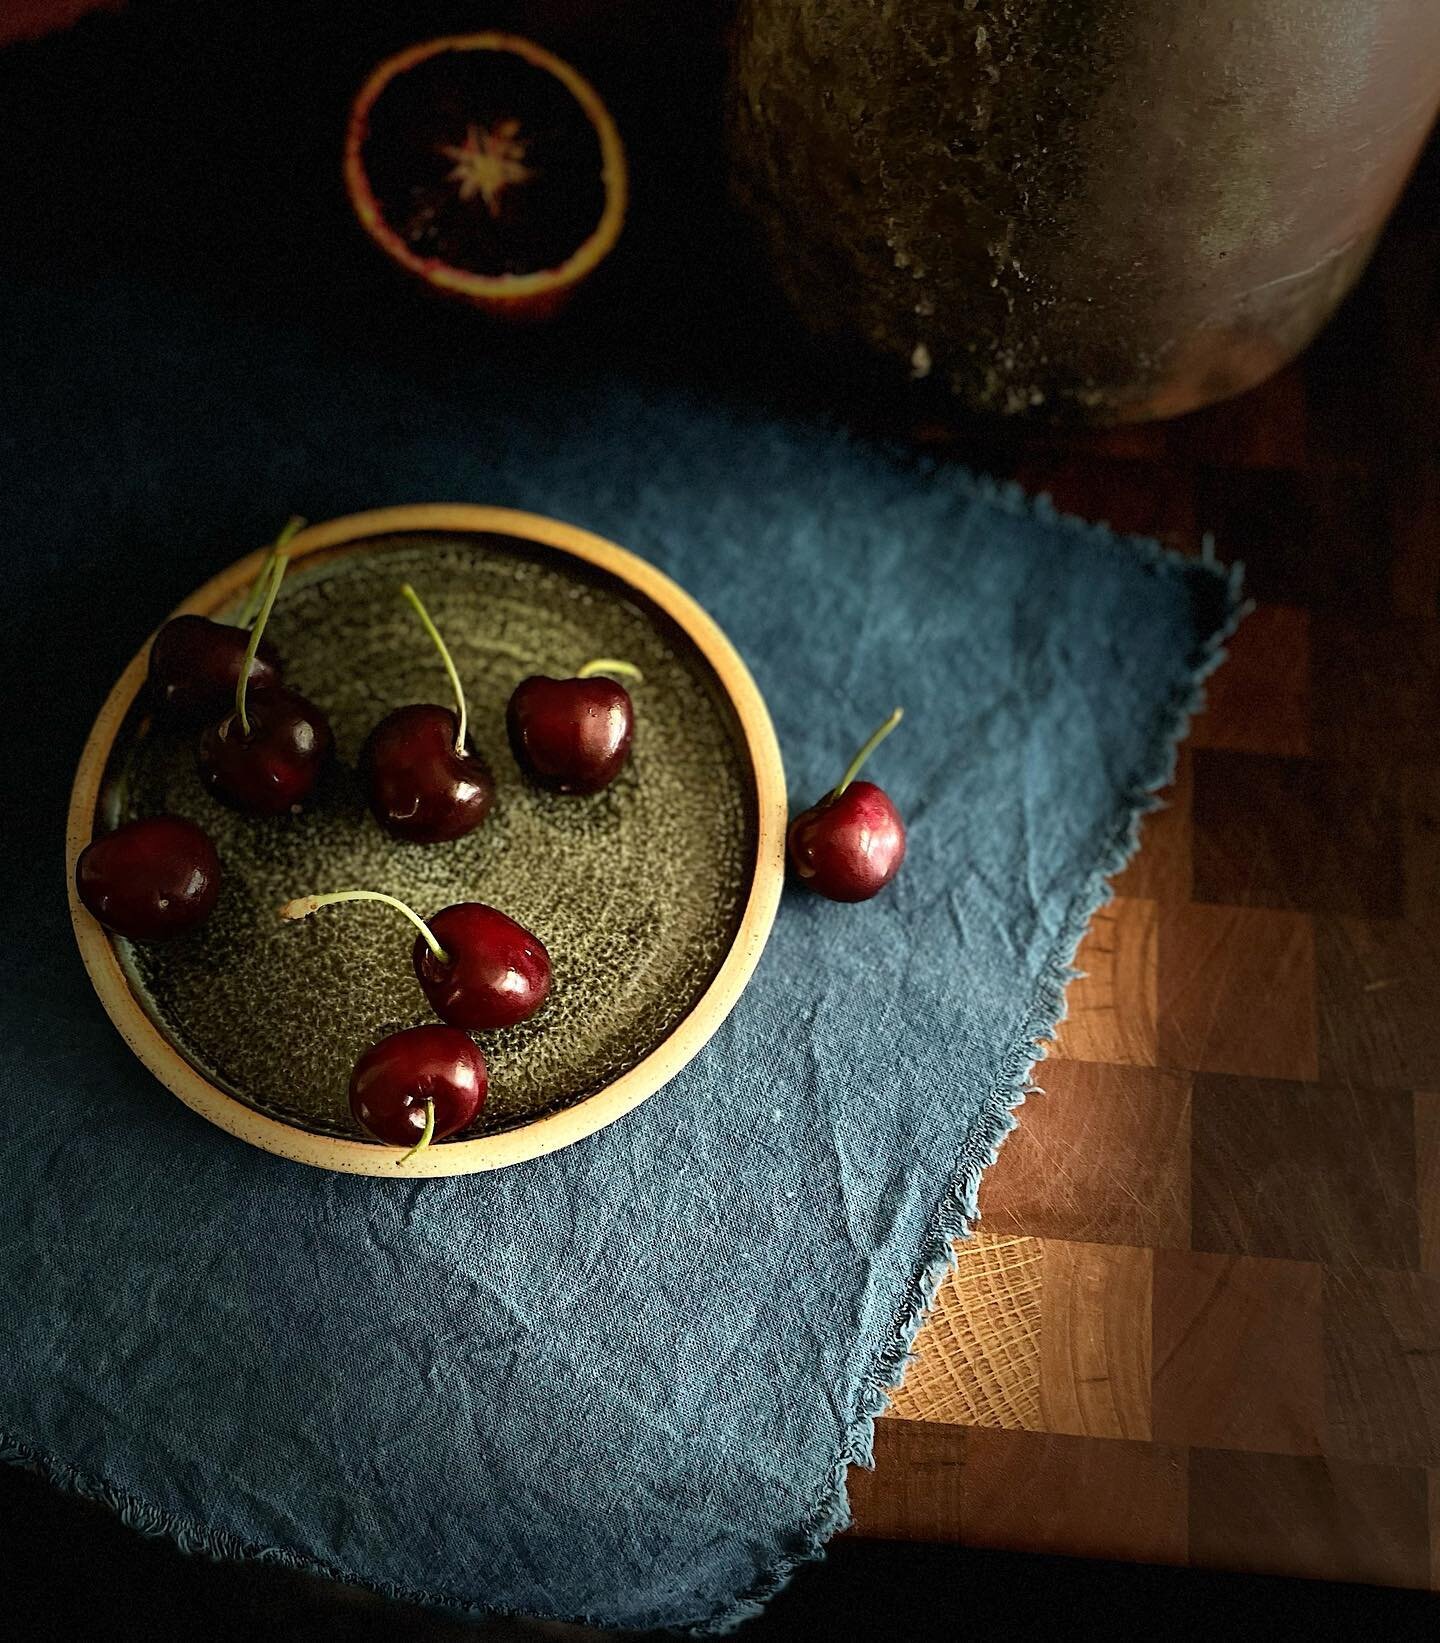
x,y
195,146
73,1572
196,143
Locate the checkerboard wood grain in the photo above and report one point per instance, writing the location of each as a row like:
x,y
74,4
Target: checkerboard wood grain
x,y
1201,1320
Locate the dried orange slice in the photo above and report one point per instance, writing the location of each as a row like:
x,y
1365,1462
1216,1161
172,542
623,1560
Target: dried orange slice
x,y
488,167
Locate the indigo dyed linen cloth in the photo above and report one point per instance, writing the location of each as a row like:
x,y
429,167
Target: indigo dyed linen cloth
x,y
622,1383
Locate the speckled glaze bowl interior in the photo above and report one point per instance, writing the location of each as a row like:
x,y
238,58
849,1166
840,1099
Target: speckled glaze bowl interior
x,y
654,898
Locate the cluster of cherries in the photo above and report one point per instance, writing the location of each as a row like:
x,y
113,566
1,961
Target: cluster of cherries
x,y
262,750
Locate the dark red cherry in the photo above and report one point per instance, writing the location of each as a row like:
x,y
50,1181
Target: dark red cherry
x,y
195,667
195,664
849,848
571,735
265,756
426,784
494,972
479,969
151,879
851,844
421,788
418,1085
272,769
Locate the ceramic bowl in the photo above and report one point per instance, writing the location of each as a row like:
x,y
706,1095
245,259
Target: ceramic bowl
x,y
654,898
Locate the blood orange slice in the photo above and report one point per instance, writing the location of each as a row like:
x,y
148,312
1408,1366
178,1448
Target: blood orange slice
x,y
488,167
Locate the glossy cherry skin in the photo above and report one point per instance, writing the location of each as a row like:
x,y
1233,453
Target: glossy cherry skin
x,y
394,1079
195,667
273,770
421,790
498,972
150,880
570,735
849,848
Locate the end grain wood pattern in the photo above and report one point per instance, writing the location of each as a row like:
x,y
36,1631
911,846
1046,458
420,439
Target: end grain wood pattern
x,y
1201,1321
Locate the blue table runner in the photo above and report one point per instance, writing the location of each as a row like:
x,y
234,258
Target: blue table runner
x,y
623,1383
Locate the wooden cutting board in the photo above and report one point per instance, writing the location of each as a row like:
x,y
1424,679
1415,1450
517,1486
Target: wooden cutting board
x,y
1201,1320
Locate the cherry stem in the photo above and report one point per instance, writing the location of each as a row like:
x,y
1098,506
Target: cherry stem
x,y
444,650
261,582
609,664
877,736
427,1135
277,576
304,906
251,607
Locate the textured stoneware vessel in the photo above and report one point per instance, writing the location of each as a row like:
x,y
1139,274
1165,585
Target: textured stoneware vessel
x,y
654,898
1097,209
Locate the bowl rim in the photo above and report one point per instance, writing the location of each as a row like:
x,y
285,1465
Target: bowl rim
x,y
554,1130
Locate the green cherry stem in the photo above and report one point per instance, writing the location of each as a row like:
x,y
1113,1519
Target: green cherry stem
x,y
409,593
427,1134
304,906
609,664
877,736
277,576
251,606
